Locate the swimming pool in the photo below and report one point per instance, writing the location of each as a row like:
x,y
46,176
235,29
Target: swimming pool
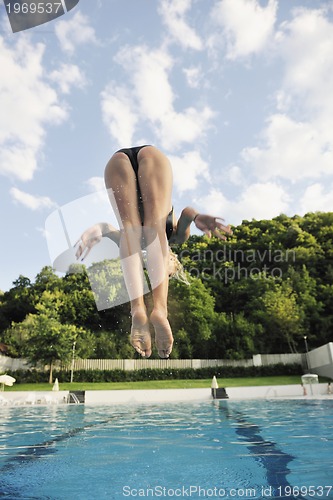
x,y
217,449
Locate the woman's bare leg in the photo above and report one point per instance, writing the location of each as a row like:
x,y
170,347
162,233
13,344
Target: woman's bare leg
x,y
120,180
155,180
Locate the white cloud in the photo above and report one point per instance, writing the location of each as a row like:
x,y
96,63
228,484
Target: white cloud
x,y
186,127
306,44
150,93
215,203
27,104
148,73
96,184
74,32
30,201
118,116
173,13
261,201
293,150
257,201
235,175
297,142
247,27
187,170
193,76
68,76
317,198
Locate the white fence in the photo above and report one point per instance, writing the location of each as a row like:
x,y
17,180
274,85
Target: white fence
x,y
274,359
10,364
13,364
141,364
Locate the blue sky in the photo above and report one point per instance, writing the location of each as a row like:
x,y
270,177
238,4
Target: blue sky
x,y
238,94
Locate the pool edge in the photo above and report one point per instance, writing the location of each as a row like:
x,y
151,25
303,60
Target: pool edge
x,y
318,391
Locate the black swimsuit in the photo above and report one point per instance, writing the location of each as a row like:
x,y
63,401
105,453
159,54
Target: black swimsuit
x,y
132,154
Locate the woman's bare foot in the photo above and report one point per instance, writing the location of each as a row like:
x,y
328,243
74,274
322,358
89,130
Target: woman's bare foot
x,y
140,333
163,333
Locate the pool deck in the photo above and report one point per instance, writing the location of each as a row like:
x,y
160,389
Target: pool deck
x,y
317,391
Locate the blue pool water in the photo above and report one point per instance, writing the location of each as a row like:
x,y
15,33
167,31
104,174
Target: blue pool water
x,y
217,449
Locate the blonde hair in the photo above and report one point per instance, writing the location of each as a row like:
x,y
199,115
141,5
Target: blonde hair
x,y
179,273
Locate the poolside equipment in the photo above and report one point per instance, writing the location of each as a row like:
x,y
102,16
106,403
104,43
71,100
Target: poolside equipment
x,y
218,392
309,379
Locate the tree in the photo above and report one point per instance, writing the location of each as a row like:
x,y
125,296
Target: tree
x,y
16,337
79,306
46,279
191,310
234,336
17,302
282,317
48,339
259,291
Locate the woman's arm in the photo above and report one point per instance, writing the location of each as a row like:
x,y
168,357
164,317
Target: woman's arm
x,y
108,231
206,223
182,232
93,235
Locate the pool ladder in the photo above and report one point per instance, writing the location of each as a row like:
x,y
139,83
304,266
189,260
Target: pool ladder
x,y
76,397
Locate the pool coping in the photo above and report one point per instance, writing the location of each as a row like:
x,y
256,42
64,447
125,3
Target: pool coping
x,y
186,395
293,391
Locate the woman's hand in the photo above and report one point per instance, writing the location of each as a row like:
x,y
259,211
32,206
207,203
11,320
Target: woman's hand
x,y
211,225
88,240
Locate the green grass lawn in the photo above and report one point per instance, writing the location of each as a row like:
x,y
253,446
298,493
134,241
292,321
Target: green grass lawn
x,y
160,384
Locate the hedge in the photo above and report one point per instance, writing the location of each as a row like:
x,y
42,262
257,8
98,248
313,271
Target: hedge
x,y
34,376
